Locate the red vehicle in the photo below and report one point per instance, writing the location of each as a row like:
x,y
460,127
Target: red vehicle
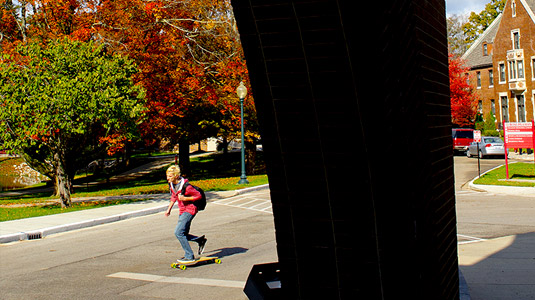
x,y
462,138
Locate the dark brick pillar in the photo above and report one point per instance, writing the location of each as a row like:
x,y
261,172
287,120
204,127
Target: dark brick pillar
x,y
353,102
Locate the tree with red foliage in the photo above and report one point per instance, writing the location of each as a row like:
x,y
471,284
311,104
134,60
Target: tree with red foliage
x,y
190,60
188,54
463,98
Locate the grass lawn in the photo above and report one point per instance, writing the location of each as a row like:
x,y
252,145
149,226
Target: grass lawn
x,y
212,173
14,213
520,174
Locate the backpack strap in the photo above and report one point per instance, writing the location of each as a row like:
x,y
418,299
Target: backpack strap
x,y
186,184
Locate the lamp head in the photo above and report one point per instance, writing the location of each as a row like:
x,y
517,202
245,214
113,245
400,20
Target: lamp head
x,y
241,91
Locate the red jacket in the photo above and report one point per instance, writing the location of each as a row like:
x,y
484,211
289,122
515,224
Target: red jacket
x,y
185,206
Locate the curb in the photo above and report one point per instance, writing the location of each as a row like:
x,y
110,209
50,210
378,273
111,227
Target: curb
x,y
502,189
41,233
227,194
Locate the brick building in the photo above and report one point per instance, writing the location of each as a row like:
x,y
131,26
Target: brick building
x,y
502,64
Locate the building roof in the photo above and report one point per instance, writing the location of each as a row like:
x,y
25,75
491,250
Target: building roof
x,y
530,4
474,57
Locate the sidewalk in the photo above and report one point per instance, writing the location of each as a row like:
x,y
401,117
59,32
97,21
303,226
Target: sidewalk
x,y
40,227
500,268
524,156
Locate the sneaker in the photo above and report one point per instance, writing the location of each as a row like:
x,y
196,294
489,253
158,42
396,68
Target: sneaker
x,y
184,260
202,243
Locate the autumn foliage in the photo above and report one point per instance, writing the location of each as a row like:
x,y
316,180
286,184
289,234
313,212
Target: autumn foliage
x,y
463,98
187,53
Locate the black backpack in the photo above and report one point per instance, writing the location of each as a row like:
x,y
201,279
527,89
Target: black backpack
x,y
201,203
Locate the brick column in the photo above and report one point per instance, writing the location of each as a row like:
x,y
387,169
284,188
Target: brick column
x,y
353,103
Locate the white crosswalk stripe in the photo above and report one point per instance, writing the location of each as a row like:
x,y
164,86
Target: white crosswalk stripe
x,y
178,280
258,201
472,193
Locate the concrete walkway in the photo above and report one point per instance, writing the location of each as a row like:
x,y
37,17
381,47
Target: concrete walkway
x,y
40,227
500,269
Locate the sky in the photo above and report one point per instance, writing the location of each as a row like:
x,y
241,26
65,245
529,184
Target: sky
x,y
462,7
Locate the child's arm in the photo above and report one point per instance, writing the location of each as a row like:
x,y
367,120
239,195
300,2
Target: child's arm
x,y
174,198
168,211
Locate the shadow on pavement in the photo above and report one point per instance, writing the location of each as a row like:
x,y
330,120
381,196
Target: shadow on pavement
x,y
502,268
223,252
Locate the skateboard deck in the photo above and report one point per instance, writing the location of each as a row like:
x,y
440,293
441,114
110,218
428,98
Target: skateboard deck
x,y
201,260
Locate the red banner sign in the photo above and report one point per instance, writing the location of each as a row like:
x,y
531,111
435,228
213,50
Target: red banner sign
x,y
519,135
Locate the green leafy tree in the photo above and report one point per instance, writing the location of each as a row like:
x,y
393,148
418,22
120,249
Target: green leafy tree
x,y
477,23
457,43
61,104
488,125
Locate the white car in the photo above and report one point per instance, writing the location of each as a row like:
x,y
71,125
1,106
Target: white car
x,y
489,145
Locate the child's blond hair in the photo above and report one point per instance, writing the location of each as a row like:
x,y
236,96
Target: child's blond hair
x,y
175,170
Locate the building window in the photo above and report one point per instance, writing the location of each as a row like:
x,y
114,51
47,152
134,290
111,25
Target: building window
x,y
516,69
480,107
512,69
513,8
521,108
493,107
502,72
485,49
491,78
516,39
478,77
505,109
533,68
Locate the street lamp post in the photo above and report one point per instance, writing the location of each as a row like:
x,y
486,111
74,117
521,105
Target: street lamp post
x,y
242,92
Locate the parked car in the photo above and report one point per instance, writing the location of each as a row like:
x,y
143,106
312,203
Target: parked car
x,y
489,145
462,137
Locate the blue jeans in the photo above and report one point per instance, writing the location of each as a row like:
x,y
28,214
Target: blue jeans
x,y
182,234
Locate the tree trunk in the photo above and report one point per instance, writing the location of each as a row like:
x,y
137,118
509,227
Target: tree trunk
x,y
224,145
63,181
183,157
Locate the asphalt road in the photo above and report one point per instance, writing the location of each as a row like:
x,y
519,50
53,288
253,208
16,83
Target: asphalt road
x,y
466,169
131,259
482,215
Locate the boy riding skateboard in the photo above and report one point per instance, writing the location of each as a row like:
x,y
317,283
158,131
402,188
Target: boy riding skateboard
x,y
187,211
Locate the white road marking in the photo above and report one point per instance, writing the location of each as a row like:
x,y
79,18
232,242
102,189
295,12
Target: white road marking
x,y
472,193
251,202
178,280
471,239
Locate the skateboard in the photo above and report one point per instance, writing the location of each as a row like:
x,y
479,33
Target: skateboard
x,y
204,259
